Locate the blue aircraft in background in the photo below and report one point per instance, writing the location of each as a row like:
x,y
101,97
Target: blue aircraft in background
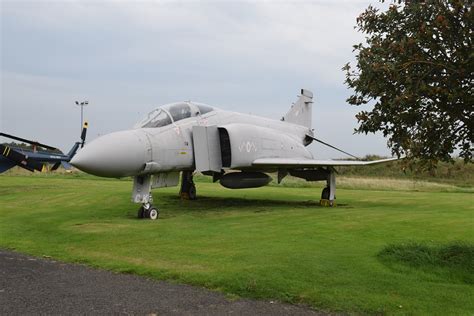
x,y
39,156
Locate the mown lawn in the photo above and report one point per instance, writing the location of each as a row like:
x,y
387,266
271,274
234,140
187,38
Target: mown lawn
x,y
272,242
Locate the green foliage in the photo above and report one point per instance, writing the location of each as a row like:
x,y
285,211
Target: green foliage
x,y
417,68
267,243
455,172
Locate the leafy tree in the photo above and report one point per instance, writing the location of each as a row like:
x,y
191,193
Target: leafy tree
x,y
416,68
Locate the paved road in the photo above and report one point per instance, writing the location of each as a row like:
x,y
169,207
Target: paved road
x,y
31,285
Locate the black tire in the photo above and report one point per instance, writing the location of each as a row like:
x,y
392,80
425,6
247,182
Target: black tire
x,y
152,213
192,192
325,194
141,212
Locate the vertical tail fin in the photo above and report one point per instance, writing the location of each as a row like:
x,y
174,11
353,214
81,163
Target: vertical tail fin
x,y
301,112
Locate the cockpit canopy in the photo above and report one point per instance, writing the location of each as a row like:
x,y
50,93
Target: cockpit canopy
x,y
173,112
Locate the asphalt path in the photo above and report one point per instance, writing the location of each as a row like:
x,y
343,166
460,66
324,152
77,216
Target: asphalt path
x,y
30,285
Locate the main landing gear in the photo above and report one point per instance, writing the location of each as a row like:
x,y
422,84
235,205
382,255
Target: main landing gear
x,y
328,196
188,188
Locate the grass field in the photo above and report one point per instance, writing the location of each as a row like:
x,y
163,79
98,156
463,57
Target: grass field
x,y
393,249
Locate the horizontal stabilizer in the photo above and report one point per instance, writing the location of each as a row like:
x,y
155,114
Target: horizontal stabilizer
x,y
309,163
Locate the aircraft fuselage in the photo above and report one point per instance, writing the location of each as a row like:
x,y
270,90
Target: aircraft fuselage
x,y
170,148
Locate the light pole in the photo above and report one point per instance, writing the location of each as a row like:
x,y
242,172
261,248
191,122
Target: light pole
x,y
82,104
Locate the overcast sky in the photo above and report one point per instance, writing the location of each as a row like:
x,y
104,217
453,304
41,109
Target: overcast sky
x,y
127,57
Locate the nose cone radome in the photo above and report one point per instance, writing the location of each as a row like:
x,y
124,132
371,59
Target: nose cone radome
x,y
113,155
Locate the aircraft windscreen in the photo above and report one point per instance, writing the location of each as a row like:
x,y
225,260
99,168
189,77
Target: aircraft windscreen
x,y
204,108
179,111
156,118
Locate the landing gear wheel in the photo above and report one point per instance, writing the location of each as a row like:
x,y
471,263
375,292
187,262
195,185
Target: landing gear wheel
x,y
152,213
192,192
325,194
188,188
141,212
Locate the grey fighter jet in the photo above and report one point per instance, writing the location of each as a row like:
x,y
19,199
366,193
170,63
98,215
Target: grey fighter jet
x,y
186,137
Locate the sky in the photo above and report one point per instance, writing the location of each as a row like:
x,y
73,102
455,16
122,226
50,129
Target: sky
x,y
129,57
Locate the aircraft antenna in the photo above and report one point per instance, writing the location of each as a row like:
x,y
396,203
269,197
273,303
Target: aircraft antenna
x,y
333,147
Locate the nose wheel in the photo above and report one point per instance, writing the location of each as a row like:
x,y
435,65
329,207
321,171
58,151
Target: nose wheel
x,y
142,194
148,211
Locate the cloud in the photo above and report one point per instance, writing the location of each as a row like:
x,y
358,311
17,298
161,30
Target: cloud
x,y
127,57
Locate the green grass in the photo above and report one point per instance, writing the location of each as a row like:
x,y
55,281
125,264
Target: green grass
x,y
272,242
456,258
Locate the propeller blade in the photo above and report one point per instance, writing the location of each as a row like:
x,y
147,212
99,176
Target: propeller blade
x,y
333,147
20,159
84,133
27,141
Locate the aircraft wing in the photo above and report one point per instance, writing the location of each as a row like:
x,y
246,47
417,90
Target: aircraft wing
x,y
308,163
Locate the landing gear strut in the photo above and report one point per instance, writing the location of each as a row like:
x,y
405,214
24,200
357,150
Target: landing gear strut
x,y
188,188
328,196
142,194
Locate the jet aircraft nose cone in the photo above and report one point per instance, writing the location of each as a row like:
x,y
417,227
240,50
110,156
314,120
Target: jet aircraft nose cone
x,y
114,155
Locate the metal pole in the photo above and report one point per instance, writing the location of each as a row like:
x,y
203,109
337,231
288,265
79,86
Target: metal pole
x,y
82,104
82,115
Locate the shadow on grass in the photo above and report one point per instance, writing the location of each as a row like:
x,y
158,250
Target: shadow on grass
x,y
250,204
172,205
454,260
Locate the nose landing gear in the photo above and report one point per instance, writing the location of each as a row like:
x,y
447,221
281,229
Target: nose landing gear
x,y
143,184
147,210
142,194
